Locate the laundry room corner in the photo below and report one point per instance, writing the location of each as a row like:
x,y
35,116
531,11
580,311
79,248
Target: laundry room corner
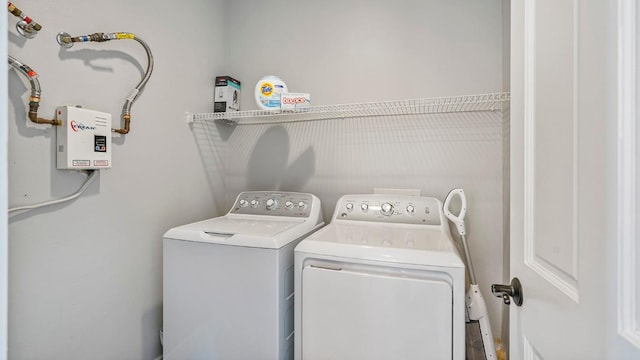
x,y
86,275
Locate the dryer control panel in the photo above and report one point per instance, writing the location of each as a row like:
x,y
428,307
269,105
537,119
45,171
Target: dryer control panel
x,y
273,203
389,208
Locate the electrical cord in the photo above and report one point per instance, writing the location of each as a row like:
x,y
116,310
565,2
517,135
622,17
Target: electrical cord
x,y
87,182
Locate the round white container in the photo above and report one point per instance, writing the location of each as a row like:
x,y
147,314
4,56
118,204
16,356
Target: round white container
x,y
268,91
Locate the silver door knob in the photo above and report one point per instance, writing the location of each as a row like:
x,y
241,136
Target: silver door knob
x,y
509,292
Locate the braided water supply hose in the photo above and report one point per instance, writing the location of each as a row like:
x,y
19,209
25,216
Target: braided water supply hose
x,y
65,40
34,99
26,26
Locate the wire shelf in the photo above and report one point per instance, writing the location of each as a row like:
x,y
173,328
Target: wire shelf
x,y
466,103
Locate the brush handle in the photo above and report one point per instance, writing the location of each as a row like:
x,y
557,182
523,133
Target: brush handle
x,y
458,220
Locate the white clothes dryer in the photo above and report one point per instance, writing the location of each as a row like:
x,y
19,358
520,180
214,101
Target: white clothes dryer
x,y
228,281
383,280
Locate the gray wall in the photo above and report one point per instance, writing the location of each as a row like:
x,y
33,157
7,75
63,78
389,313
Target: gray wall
x,y
362,51
86,276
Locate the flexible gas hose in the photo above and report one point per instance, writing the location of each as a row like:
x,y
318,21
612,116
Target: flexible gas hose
x,y
34,99
27,27
65,40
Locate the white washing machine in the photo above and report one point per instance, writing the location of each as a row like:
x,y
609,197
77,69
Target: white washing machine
x,y
228,281
383,280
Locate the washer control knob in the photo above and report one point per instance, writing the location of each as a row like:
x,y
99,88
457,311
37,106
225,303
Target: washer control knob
x,y
302,205
364,207
272,204
254,203
349,206
244,203
288,205
386,209
411,209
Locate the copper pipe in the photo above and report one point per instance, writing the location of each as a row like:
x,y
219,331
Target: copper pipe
x,y
127,123
33,115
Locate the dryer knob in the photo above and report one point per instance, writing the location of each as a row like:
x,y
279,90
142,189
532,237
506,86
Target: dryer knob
x,y
244,203
254,203
288,205
386,209
272,204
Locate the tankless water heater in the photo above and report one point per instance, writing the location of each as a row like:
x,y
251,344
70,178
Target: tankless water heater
x,y
84,138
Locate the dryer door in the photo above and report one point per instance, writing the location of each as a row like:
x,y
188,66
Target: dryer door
x,y
366,312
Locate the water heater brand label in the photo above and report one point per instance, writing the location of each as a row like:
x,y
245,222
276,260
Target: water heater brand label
x,y
80,127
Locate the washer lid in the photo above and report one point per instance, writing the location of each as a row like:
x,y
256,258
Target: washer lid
x,y
384,242
250,231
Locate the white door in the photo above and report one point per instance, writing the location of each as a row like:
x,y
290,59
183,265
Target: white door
x,y
578,289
